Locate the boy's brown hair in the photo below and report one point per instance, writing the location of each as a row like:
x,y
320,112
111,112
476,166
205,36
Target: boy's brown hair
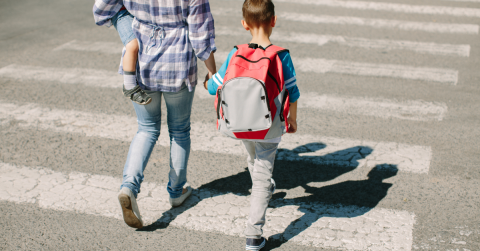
x,y
258,12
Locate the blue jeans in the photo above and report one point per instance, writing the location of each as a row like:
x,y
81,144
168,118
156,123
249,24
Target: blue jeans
x,y
122,22
179,106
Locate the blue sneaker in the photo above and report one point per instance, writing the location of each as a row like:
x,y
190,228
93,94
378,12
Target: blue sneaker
x,y
255,244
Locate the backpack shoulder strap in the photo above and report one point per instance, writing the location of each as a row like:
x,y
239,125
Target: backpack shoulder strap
x,y
275,49
241,46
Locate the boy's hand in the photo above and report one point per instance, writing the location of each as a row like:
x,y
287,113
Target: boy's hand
x,y
292,125
205,82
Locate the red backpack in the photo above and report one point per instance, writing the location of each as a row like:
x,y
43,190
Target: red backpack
x,y
253,102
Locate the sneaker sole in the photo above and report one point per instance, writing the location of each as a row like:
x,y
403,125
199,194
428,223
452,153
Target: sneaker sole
x,y
128,215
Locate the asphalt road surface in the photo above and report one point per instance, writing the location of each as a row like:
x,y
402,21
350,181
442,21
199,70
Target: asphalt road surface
x,y
385,158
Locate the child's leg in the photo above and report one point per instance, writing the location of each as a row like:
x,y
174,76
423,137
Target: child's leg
x,y
130,64
261,173
250,146
123,23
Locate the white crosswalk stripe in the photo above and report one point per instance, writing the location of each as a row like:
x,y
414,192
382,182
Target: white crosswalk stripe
x,y
382,108
474,1
408,110
329,226
89,77
368,22
320,65
309,148
383,23
393,7
462,50
416,110
103,47
102,78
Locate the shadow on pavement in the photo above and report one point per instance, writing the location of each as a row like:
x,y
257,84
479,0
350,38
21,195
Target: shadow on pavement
x,y
297,169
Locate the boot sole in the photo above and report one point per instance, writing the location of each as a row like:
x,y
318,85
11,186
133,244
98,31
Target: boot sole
x,y
128,215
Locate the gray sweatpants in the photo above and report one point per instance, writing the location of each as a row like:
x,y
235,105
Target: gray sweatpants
x,y
261,157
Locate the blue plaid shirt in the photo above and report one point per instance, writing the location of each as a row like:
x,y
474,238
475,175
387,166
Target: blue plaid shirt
x,y
171,35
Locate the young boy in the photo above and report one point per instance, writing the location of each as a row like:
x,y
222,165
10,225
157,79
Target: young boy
x,y
259,18
122,21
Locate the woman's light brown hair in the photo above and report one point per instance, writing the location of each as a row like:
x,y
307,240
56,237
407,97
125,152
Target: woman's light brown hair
x,y
258,12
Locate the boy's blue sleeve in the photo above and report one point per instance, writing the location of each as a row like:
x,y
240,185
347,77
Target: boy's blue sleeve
x,y
217,78
289,76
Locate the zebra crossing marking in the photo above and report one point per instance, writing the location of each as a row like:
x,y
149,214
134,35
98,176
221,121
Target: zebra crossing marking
x,y
89,77
462,50
316,224
299,147
103,47
344,67
415,110
368,22
408,110
320,65
473,1
392,7
382,108
384,23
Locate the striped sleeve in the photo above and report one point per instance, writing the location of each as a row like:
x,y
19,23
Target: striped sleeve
x,y
290,76
104,10
217,79
201,28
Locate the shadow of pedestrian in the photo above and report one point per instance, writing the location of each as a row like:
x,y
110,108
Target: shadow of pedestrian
x,y
363,194
297,168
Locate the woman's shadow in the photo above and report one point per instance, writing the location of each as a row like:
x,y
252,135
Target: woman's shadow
x,y
297,168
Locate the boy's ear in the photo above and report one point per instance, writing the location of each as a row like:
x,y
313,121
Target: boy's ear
x,y
274,21
245,25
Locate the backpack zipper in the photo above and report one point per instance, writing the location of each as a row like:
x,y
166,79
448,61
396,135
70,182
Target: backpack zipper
x,y
219,92
240,56
274,80
268,73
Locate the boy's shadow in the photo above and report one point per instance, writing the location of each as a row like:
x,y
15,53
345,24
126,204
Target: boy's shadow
x,y
294,168
364,194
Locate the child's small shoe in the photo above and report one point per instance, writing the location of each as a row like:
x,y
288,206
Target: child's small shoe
x,y
273,187
137,95
255,244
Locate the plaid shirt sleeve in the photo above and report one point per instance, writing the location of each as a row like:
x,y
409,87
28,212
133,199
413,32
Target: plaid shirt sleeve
x,y
201,28
104,10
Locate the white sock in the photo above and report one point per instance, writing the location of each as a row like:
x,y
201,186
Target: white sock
x,y
129,79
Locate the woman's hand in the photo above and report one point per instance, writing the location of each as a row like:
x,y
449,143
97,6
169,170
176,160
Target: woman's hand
x,y
211,67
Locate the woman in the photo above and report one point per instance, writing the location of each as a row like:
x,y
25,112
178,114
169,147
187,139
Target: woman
x,y
171,35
